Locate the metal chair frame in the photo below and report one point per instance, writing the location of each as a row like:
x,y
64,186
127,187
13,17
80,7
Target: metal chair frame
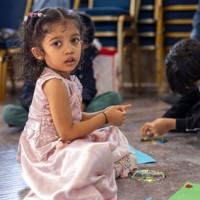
x,y
121,34
4,61
161,49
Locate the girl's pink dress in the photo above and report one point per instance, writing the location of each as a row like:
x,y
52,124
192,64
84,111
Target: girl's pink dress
x,y
78,170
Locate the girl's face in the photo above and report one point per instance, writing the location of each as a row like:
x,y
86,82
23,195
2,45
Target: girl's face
x,y
62,48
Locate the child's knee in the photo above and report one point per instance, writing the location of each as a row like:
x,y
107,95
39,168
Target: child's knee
x,y
14,115
6,112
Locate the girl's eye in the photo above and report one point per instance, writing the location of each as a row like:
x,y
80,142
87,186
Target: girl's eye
x,y
75,40
56,44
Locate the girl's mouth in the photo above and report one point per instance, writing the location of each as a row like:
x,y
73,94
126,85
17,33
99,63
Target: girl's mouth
x,y
70,60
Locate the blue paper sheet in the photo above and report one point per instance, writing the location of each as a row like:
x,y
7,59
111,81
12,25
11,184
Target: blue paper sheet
x,y
142,158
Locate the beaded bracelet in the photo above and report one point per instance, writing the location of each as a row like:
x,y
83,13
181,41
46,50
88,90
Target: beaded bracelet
x,y
105,117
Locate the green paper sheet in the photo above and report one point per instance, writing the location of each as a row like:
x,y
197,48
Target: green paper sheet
x,y
189,191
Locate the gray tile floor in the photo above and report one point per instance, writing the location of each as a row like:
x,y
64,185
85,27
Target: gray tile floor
x,y
178,158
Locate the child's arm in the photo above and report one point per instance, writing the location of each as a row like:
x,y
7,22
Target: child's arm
x,y
58,99
86,116
158,127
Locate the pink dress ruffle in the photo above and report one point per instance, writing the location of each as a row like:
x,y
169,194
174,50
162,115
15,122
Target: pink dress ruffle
x,y
78,170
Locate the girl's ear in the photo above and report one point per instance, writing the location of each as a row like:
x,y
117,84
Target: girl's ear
x,y
37,53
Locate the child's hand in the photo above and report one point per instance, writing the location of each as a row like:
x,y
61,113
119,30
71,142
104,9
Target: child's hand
x,y
116,114
148,130
158,127
125,107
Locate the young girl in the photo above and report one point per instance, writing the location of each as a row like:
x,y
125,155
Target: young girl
x,y
62,151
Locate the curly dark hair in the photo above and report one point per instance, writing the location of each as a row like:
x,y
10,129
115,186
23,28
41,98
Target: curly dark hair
x,y
32,33
183,65
90,27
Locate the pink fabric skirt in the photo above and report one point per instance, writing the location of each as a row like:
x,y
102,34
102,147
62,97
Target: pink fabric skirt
x,y
78,170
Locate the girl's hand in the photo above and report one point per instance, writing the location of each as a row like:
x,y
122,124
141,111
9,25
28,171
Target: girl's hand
x,y
125,107
158,127
116,114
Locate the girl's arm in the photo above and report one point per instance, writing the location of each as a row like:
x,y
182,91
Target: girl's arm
x,y
86,116
58,99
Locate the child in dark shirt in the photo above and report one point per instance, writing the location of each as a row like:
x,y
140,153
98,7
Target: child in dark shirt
x,y
183,74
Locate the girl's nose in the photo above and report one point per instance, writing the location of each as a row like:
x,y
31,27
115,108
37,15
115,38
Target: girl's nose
x,y
68,50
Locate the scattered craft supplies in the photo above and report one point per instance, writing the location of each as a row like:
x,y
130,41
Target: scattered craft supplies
x,y
147,175
155,140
